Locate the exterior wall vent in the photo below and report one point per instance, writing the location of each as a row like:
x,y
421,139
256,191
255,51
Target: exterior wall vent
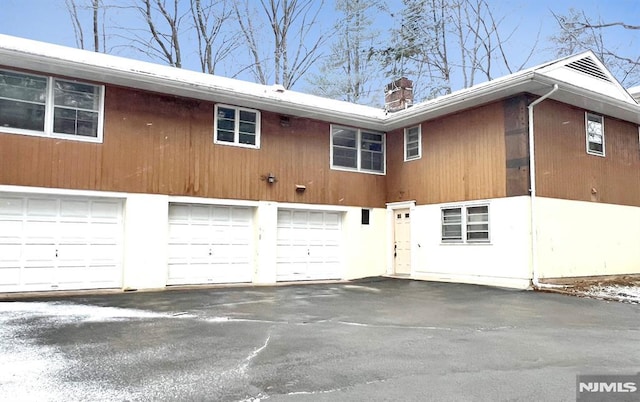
x,y
588,66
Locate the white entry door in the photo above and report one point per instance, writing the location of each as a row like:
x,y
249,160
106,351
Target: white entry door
x,y
59,243
309,245
210,244
402,242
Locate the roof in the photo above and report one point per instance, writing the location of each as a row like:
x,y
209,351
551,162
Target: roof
x,y
582,79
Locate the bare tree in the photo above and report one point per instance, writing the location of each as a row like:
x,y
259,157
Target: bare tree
x,y
161,38
214,43
94,6
578,31
447,43
289,25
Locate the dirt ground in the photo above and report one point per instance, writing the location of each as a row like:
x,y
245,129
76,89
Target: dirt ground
x,y
625,289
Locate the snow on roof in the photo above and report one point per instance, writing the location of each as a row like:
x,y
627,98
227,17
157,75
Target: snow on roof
x,y
580,77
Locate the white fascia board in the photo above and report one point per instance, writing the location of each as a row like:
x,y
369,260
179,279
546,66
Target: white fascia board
x,y
464,99
109,69
584,98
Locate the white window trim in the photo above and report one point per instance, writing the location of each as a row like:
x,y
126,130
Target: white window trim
x,y
463,223
406,133
49,107
236,128
586,132
359,151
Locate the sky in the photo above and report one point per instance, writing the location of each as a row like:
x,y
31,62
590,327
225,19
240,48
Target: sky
x,y
49,21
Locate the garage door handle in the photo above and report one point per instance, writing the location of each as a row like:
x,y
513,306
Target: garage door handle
x,y
56,253
210,252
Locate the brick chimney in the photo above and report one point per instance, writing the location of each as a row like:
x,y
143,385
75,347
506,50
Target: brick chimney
x,y
398,95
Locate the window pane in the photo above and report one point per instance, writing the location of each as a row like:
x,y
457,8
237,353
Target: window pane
x,y
249,128
247,139
27,116
595,134
248,116
23,87
371,161
226,113
345,157
226,136
76,95
477,236
452,224
344,137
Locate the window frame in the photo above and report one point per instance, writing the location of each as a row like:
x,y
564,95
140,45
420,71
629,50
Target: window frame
x,y
359,150
464,224
236,129
50,106
587,115
407,158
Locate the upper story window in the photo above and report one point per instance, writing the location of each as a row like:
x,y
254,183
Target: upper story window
x,y
595,134
236,126
50,107
356,149
465,224
412,143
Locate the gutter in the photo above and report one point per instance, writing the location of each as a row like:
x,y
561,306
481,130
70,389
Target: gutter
x,y
532,177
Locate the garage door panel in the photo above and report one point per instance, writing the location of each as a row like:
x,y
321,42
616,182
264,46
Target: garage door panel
x,y
309,245
40,229
9,275
10,229
54,242
210,244
37,207
12,206
74,209
38,275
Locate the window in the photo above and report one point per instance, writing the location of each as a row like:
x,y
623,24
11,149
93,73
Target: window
x,y
465,225
236,126
595,134
412,143
50,107
356,149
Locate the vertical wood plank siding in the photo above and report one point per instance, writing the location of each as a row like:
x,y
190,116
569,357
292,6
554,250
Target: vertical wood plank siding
x,y
164,145
463,158
565,170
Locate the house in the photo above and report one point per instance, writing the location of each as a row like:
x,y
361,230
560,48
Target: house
x,y
122,174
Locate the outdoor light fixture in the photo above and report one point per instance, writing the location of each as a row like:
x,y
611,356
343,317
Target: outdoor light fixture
x,y
271,178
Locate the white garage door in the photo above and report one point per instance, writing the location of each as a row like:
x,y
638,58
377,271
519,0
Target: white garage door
x,y
59,243
309,245
210,244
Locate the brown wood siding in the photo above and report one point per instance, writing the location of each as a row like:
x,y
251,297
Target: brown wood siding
x,y
565,170
164,145
463,158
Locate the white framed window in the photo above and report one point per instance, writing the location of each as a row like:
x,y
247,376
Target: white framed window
x,y
595,134
356,149
469,224
236,126
50,107
412,143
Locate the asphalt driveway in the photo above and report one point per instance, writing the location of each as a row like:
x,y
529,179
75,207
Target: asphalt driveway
x,y
367,340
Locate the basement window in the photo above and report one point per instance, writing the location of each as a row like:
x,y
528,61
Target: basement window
x,y
595,134
236,126
412,143
465,224
50,107
356,149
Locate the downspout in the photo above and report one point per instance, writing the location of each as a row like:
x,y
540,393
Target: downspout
x,y
532,177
